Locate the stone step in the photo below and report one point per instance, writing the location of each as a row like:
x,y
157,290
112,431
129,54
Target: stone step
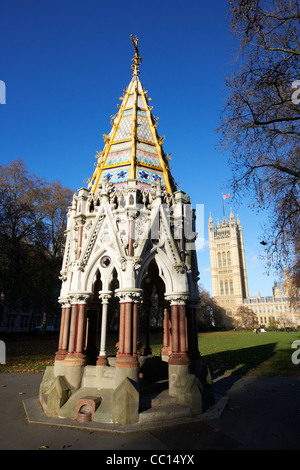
x,y
163,399
164,413
95,377
90,371
156,400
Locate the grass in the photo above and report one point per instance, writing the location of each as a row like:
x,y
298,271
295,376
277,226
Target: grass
x,y
245,353
228,352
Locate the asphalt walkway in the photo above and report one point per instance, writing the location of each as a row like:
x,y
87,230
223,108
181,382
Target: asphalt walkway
x,y
262,413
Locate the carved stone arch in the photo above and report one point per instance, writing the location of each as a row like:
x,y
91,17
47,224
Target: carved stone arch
x,y
95,263
113,278
96,283
153,284
163,265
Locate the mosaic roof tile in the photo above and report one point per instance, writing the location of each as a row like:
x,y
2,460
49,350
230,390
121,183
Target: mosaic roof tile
x,y
133,149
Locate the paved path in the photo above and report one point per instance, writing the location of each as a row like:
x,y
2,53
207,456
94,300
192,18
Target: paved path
x,y
261,413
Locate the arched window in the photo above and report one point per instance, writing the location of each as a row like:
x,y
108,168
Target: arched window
x,y
226,288
219,260
231,286
221,288
224,259
228,258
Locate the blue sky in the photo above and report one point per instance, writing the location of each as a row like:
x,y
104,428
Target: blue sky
x,y
65,64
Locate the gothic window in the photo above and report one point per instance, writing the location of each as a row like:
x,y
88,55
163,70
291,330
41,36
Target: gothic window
x,y
228,258
231,287
219,260
221,288
226,288
224,259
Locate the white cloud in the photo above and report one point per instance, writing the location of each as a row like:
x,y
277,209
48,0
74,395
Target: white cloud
x,y
201,244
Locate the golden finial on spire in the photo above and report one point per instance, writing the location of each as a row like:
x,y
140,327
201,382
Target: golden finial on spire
x,y
137,60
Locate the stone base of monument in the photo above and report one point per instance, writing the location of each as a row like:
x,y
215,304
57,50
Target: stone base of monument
x,y
105,394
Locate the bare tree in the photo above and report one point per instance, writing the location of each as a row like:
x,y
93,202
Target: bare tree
x,y
210,314
32,223
245,317
260,121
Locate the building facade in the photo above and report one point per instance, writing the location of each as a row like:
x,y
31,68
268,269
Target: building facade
x,y
274,310
228,265
229,278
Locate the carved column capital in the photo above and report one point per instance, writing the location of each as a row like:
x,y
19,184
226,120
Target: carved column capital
x,y
79,297
64,302
79,221
105,296
129,295
177,298
132,213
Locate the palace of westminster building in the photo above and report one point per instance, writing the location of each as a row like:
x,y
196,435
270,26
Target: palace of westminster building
x,y
229,278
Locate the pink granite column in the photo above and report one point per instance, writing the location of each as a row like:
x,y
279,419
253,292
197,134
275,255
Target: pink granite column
x,y
178,318
128,334
64,331
167,335
75,354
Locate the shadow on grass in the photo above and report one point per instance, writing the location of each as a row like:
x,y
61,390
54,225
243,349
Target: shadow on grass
x,y
237,363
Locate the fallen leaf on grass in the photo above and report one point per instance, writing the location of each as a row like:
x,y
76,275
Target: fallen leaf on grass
x,y
43,447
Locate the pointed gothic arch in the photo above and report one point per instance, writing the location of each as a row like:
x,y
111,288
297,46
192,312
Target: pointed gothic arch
x,y
93,311
154,302
106,269
164,267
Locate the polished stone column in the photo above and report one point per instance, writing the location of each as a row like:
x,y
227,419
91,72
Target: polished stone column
x,y
128,328
178,319
75,354
64,330
102,358
167,336
135,333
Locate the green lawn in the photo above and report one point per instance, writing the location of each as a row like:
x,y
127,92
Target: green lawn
x,y
249,354
229,352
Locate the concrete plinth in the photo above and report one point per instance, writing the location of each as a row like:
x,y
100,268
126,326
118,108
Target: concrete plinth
x,y
185,387
131,373
73,375
54,392
125,406
122,390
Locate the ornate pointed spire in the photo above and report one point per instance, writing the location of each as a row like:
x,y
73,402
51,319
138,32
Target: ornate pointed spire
x,y
133,149
137,60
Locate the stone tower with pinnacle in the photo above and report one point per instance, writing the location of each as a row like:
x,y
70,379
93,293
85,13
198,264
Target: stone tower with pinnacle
x,y
228,265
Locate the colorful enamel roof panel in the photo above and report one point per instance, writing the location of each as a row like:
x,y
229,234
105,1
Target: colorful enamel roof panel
x,y
133,149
